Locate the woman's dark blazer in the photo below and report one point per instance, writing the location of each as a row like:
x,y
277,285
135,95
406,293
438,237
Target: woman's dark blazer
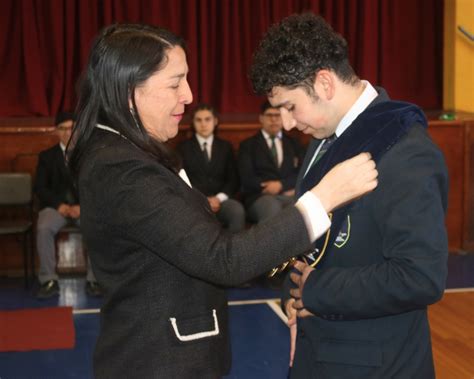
x,y
163,259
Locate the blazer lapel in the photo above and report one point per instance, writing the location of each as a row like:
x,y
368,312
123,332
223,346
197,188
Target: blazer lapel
x,y
215,153
313,146
199,153
382,97
61,159
285,147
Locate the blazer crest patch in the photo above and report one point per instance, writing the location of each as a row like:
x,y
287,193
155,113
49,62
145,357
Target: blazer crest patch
x,y
344,233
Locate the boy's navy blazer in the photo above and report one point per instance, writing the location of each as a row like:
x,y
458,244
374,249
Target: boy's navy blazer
x,y
386,262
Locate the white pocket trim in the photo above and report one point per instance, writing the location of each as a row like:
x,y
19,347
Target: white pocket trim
x,y
196,336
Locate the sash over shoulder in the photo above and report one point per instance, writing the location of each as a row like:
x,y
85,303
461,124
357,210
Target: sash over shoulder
x,y
375,130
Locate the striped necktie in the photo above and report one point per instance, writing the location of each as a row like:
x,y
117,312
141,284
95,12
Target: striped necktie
x,y
326,145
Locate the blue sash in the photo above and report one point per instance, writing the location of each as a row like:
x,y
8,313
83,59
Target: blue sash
x,y
375,130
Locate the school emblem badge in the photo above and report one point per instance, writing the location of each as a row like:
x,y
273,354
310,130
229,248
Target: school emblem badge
x,y
344,233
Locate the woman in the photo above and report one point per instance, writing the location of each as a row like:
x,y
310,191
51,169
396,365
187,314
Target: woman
x,y
155,245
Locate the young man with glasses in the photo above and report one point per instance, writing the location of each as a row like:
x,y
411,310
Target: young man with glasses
x,y
269,163
59,206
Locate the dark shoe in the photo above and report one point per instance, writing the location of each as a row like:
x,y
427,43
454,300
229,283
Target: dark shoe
x,y
48,289
93,289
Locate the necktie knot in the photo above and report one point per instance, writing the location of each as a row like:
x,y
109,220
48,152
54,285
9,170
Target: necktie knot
x,y
329,140
325,146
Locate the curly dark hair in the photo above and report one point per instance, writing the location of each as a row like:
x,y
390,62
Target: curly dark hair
x,y
294,50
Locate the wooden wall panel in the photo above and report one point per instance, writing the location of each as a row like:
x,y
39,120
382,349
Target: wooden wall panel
x,y
19,146
450,139
468,232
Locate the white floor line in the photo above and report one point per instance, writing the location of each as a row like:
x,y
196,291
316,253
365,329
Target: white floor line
x,y
231,303
467,289
272,303
277,309
249,302
85,311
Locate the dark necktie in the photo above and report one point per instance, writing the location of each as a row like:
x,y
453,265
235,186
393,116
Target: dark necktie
x,y
273,150
326,145
205,152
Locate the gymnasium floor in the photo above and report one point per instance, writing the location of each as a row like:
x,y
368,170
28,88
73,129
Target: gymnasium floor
x,y
259,336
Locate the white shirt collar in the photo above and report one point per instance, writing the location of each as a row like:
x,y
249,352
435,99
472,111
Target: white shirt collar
x,y
208,140
364,100
63,148
267,136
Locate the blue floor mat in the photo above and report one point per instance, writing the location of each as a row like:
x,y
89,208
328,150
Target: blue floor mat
x,y
260,340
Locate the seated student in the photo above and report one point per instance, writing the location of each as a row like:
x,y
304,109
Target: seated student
x,y
268,166
209,164
59,206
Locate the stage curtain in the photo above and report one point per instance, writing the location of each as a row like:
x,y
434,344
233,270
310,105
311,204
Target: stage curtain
x,y
44,45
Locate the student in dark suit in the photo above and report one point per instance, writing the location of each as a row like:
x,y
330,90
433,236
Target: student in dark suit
x,y
268,166
210,165
362,310
157,248
59,205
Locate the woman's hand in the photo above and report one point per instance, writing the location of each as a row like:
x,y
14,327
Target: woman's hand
x,y
347,181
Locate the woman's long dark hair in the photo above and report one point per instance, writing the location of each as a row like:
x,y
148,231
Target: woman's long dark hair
x,y
122,57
